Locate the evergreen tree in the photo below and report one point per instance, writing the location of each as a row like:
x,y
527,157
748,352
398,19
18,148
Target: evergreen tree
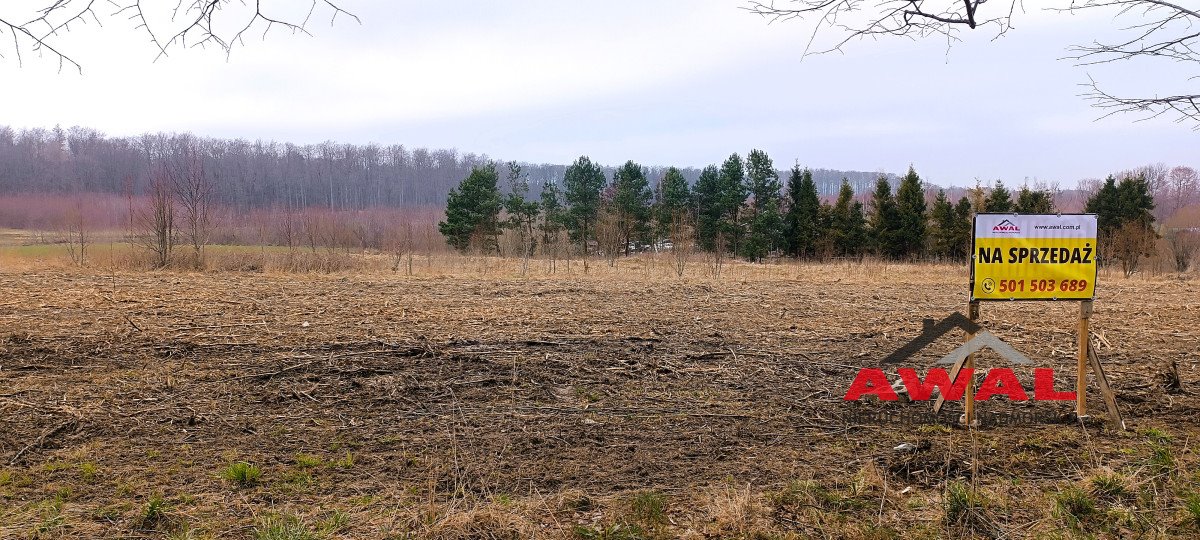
x,y
1124,220
910,210
943,221
885,220
709,208
1105,203
845,226
583,181
762,178
733,196
473,211
763,184
961,240
674,200
1034,201
999,200
764,231
856,237
631,202
801,228
554,216
522,213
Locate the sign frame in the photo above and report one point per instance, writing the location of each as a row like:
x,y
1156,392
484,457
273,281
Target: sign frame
x,y
974,254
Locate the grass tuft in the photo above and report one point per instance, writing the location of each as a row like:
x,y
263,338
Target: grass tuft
x,y
241,473
1074,505
649,508
1191,506
962,502
1110,485
283,527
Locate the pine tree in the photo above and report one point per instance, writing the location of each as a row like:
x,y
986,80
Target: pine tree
x,y
554,216
764,234
522,213
473,211
732,180
583,181
999,200
674,201
910,210
631,202
765,222
709,208
804,205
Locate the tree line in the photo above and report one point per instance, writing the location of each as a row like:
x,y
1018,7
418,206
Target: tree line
x,y
742,208
266,174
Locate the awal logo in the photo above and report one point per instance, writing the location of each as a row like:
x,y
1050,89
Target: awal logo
x,y
1006,226
952,385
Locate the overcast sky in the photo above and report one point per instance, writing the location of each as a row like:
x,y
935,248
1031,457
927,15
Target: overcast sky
x,y
664,82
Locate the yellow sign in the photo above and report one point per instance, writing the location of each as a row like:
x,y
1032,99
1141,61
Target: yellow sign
x,y
1034,257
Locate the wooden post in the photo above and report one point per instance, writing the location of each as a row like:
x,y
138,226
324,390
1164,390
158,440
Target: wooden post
x,y
1110,398
969,403
1085,313
973,316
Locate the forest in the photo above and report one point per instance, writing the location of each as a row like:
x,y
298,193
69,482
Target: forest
x,y
266,174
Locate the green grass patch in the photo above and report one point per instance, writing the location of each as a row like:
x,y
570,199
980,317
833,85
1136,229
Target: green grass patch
x,y
241,473
1074,506
284,527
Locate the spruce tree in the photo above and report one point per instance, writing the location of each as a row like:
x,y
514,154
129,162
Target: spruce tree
x,y
1034,201
709,209
856,237
804,205
910,210
944,224
473,211
631,202
885,220
999,200
961,240
674,201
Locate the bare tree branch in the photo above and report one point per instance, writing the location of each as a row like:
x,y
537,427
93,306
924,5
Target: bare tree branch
x,y
907,18
1164,30
221,23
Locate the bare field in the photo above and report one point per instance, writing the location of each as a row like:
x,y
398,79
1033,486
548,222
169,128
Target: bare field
x,y
237,405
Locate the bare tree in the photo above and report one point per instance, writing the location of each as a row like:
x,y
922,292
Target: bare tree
x,y
682,236
400,245
73,232
1183,189
188,23
193,192
156,222
1132,242
1161,30
1183,244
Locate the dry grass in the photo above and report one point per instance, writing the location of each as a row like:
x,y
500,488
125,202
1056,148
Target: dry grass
x,y
468,401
